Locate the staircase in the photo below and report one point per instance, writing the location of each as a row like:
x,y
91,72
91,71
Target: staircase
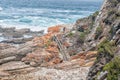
x,y
63,51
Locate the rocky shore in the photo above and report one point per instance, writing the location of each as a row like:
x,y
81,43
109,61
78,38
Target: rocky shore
x,y
17,36
43,52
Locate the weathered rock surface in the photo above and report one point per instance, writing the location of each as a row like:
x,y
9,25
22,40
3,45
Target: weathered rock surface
x,y
43,52
18,36
108,20
53,74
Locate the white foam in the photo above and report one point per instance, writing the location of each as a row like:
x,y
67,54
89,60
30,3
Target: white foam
x,y
2,39
1,8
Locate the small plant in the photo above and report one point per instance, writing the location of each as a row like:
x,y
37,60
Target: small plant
x,y
107,47
48,43
96,13
98,32
81,38
113,69
70,34
111,12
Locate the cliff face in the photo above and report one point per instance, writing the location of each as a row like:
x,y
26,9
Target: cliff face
x,y
106,34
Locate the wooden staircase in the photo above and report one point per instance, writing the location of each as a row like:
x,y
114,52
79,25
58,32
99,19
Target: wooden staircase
x,y
62,48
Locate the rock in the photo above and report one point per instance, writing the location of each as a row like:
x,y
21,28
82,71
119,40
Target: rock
x,y
13,35
55,29
14,65
33,64
25,30
102,75
17,41
5,46
8,52
38,56
24,50
53,74
8,59
3,74
91,54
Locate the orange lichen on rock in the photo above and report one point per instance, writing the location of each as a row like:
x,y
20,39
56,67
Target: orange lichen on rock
x,y
66,44
46,49
39,57
54,61
81,56
54,29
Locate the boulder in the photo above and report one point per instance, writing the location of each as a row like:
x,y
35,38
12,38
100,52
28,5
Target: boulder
x,y
25,30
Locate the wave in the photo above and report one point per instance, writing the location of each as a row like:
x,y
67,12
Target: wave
x,y
39,18
1,8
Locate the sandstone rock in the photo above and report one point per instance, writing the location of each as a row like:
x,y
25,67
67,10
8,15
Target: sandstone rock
x,y
54,29
8,59
14,65
4,46
91,54
3,74
53,74
8,52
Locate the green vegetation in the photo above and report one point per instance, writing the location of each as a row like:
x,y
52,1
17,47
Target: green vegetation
x,y
48,43
107,47
111,12
70,34
98,32
113,69
113,2
94,15
81,37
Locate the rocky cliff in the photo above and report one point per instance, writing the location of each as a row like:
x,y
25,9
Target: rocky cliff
x,y
106,34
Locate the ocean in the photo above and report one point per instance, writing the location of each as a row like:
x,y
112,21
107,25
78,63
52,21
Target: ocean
x,y
41,14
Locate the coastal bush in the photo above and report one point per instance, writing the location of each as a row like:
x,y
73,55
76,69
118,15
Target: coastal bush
x,y
107,47
94,15
48,43
70,34
98,32
81,37
111,12
113,69
113,2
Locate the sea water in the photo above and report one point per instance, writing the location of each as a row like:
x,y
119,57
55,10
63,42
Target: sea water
x,y
41,14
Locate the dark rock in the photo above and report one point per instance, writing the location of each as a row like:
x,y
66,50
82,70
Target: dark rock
x,y
18,36
17,41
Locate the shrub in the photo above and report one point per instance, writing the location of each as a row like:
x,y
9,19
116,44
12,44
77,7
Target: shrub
x,y
48,43
94,15
107,47
98,32
113,69
70,34
81,37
